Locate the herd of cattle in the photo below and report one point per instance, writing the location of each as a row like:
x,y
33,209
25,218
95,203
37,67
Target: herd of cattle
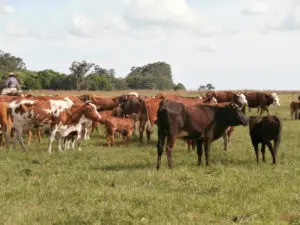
x,y
197,120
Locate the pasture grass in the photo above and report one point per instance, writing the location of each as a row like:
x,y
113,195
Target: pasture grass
x,y
120,184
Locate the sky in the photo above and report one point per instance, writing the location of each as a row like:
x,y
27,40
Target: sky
x,y
233,44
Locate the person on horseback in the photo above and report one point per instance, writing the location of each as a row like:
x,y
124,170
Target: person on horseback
x,y
11,85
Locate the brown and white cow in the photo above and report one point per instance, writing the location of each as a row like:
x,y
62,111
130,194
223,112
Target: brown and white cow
x,y
229,96
262,100
63,117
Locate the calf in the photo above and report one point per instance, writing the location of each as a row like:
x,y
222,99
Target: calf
x,y
263,130
123,125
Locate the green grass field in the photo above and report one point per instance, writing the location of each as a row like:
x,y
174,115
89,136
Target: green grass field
x,y
120,185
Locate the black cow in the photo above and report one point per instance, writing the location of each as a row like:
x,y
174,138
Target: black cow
x,y
263,130
201,122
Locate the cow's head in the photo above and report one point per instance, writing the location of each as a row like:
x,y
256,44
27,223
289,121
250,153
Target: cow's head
x,y
240,99
122,98
275,100
234,115
91,113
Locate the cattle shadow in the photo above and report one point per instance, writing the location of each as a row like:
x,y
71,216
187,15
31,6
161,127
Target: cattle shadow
x,y
122,167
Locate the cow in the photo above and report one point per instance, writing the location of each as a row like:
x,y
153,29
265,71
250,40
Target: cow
x,y
5,122
124,125
202,123
189,100
149,107
294,108
263,130
107,103
147,116
262,100
63,117
228,96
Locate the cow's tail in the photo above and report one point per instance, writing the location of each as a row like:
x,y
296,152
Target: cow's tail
x,y
278,139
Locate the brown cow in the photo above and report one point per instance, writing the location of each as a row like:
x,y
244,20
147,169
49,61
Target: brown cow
x,y
294,108
123,125
262,100
5,122
149,107
200,122
188,100
147,116
107,103
263,130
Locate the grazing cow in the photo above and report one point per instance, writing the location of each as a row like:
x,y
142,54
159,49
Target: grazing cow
x,y
200,122
228,96
263,130
63,116
294,108
262,100
123,125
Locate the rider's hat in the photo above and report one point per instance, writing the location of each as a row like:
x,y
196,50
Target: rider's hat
x,y
11,74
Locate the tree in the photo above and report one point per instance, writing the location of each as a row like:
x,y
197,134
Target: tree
x,y
179,86
210,86
79,71
10,63
153,75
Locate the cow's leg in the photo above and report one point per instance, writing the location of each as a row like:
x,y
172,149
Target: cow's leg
x,y
73,143
160,146
255,145
19,137
171,139
148,136
39,135
272,151
149,131
207,148
51,139
29,137
263,150
226,140
7,131
199,150
142,128
59,144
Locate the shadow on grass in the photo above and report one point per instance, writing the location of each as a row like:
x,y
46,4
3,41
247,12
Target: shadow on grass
x,y
120,167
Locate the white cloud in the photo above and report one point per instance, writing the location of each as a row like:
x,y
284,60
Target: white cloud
x,y
19,30
108,24
6,9
290,21
256,8
167,15
208,48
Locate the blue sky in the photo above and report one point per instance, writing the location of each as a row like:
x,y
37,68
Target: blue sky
x,y
234,44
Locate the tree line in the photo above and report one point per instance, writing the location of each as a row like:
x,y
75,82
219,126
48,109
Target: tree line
x,y
88,76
